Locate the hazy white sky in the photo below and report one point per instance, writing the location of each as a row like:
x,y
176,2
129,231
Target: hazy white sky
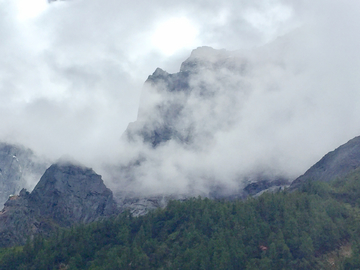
x,y
71,72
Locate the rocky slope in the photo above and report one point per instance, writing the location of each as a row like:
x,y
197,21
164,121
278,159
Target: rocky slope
x,y
335,164
19,167
141,205
65,195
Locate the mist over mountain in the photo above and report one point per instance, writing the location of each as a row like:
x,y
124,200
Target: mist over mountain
x,y
283,93
225,120
243,97
183,121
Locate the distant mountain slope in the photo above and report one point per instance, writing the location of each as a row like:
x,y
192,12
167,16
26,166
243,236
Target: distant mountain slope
x,y
65,195
18,167
335,164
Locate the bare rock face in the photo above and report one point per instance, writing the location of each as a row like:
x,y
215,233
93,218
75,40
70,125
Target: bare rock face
x,y
71,194
171,103
141,205
17,220
334,164
257,188
65,195
18,167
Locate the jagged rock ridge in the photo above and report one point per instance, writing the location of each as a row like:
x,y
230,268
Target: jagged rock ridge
x,y
65,195
71,194
174,115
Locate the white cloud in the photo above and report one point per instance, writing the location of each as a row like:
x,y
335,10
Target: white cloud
x,y
71,78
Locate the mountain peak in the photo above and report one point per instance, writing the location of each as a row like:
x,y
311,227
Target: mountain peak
x,y
160,72
72,194
203,57
66,194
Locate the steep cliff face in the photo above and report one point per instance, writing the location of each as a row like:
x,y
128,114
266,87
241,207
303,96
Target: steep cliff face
x,y
71,194
17,221
65,195
18,167
337,163
185,122
183,106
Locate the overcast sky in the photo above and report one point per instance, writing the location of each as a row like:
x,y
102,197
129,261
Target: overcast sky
x,y
71,72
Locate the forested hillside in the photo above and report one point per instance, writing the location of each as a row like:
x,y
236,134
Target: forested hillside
x,y
305,229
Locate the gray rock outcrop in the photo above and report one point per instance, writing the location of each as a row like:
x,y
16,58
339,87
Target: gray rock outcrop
x,y
65,195
141,205
261,186
70,194
18,222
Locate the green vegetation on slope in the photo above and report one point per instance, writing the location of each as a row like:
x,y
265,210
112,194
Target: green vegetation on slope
x,y
295,230
275,231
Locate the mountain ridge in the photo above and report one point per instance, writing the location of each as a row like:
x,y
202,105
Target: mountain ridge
x,y
335,164
65,195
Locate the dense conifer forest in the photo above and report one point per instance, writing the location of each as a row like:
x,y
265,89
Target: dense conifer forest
x,y
304,229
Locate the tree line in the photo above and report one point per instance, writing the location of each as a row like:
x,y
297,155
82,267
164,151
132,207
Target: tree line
x,y
274,231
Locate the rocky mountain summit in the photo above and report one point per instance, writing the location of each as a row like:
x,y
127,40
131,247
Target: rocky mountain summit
x,y
19,167
172,105
334,164
71,194
66,194
189,112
